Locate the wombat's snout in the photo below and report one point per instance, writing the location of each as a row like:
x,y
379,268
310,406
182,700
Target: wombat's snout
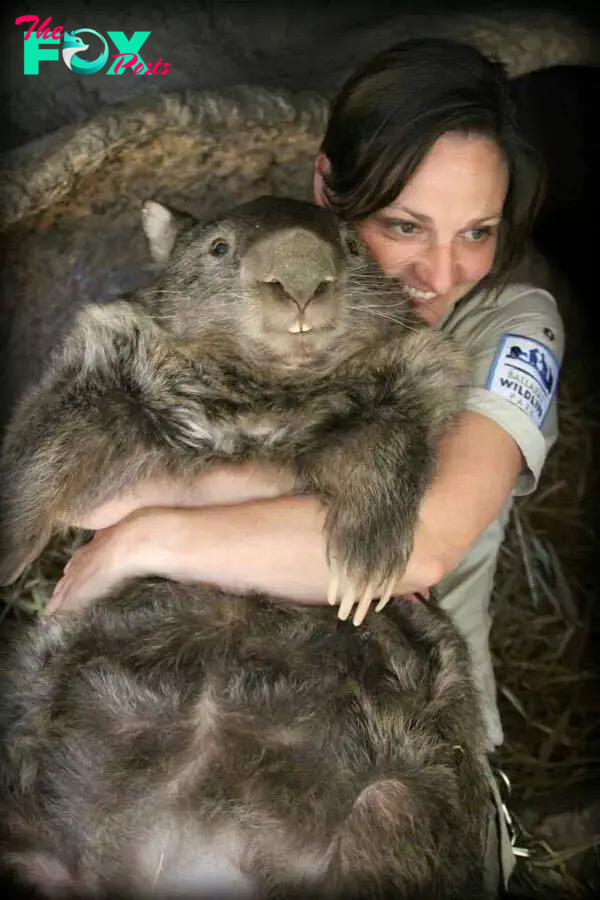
x,y
297,289
298,266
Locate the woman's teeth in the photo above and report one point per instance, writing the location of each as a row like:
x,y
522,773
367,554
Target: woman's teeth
x,y
417,294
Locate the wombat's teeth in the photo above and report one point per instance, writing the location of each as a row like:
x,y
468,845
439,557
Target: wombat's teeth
x,y
298,327
419,295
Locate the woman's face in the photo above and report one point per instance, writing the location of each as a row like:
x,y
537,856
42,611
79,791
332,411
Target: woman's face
x,y
439,235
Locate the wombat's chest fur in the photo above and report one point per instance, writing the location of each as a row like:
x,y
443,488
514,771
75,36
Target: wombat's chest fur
x,y
215,394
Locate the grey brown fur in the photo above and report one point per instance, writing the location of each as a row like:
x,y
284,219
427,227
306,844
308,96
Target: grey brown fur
x,y
201,367
174,742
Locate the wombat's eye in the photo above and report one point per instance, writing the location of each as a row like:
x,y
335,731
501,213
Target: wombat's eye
x,y
219,247
352,246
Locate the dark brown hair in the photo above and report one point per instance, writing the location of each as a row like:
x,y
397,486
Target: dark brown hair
x,y
391,111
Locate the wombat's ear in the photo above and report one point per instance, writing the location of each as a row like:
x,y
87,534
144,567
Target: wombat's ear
x,y
161,226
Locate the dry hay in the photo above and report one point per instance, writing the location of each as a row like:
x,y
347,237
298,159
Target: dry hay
x,y
542,641
541,610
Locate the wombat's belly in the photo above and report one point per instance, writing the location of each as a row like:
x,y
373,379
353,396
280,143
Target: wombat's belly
x,y
173,863
176,862
191,744
169,865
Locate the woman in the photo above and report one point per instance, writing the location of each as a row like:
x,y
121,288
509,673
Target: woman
x,y
422,153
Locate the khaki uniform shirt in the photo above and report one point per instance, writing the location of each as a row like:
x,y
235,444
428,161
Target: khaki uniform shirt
x,y
516,345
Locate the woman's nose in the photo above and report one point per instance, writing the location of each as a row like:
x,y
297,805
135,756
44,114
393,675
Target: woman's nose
x,y
437,269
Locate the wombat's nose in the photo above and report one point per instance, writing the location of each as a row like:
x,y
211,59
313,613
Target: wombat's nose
x,y
299,292
298,263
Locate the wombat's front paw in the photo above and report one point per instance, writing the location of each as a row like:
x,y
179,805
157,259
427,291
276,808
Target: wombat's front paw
x,y
368,554
348,592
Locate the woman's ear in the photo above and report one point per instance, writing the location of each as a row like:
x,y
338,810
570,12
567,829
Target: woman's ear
x,y
321,166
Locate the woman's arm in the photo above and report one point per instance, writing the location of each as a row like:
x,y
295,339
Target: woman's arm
x,y
224,484
277,545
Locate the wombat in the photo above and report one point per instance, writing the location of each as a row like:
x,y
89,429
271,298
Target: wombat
x,y
176,742
268,334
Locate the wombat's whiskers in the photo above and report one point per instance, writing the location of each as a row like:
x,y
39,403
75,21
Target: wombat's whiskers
x,y
162,291
163,317
398,320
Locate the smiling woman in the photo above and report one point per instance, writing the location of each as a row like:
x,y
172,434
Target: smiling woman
x,y
439,236
422,150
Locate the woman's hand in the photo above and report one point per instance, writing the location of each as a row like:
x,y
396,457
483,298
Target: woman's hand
x,y
114,555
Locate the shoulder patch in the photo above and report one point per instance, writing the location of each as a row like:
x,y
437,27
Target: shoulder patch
x,y
526,373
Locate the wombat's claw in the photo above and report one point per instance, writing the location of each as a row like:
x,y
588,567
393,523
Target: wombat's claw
x,y
384,592
334,583
351,593
385,598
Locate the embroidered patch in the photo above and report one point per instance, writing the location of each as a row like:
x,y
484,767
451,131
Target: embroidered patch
x,y
526,373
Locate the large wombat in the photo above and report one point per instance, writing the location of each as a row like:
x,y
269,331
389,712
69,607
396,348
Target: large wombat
x,y
175,739
271,334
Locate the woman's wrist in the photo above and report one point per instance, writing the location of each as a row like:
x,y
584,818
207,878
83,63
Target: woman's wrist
x,y
272,546
158,541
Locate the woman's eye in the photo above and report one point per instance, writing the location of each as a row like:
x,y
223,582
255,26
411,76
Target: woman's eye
x,y
478,235
403,227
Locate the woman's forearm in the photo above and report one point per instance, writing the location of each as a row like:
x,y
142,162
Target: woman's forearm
x,y
277,545
224,484
274,546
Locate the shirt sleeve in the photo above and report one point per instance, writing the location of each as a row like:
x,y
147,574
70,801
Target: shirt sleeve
x,y
516,357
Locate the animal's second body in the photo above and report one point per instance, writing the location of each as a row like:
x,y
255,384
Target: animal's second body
x,y
269,334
